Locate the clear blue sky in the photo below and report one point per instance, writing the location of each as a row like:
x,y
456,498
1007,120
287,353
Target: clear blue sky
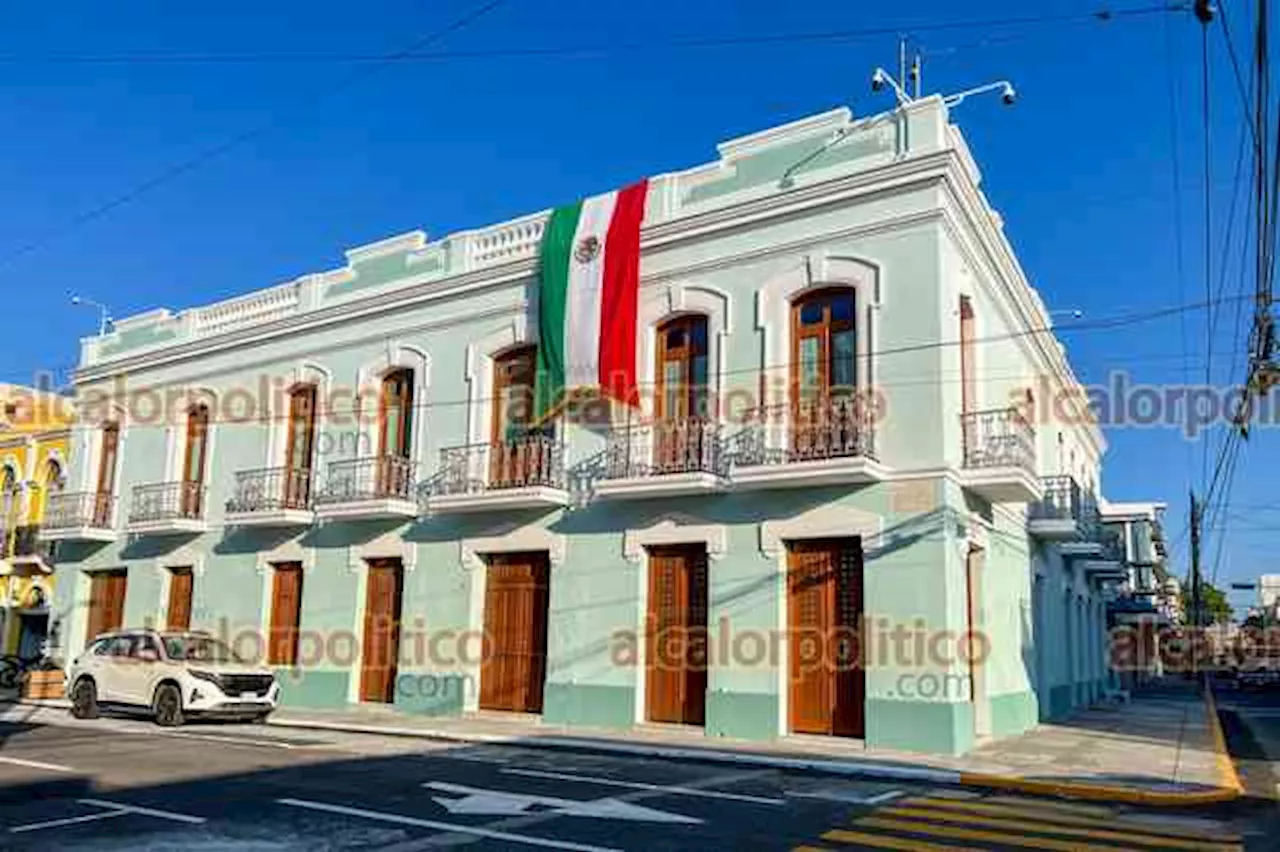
x,y
1081,169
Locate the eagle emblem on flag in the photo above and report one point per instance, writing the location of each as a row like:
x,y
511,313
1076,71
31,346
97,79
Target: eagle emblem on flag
x,y
587,249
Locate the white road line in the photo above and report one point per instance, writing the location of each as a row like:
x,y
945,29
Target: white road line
x,y
833,796
36,764
55,823
138,809
635,785
470,758
444,826
213,738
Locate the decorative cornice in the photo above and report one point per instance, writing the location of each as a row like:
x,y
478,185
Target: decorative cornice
x,y
523,538
675,528
425,287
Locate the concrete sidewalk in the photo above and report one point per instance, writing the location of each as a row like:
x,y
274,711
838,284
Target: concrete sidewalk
x,y
1163,747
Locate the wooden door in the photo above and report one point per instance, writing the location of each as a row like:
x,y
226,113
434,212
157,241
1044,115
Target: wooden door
x,y
193,465
300,447
381,630
682,393
828,687
515,627
286,612
106,602
181,581
106,474
676,658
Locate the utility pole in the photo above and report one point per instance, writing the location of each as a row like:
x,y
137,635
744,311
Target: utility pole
x,y
1196,620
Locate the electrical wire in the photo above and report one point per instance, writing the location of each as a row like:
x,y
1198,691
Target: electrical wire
x,y
1101,15
233,142
1107,323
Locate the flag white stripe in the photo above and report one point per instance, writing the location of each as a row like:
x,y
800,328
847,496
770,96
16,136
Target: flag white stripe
x,y
586,289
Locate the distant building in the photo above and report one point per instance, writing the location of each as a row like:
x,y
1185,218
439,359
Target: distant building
x,y
1269,592
35,430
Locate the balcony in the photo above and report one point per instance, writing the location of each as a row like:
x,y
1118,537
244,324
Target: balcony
x,y
1088,544
168,508
365,489
1000,456
799,446
1108,564
271,497
1057,515
522,473
663,459
23,547
79,516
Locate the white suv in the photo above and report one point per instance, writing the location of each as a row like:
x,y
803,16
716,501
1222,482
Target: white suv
x,y
173,675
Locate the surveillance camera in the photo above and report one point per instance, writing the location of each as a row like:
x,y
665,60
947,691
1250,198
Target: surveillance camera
x,y
877,80
75,300
1008,95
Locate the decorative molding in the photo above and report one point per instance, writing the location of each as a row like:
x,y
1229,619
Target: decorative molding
x,y
389,545
816,272
478,372
185,556
522,538
395,355
399,244
830,520
287,551
413,289
676,298
675,528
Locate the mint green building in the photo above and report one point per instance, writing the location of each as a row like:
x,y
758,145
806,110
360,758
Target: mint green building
x,y
846,438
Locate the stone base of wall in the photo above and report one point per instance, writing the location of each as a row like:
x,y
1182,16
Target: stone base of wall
x,y
431,693
924,726
315,690
1014,713
596,706
742,715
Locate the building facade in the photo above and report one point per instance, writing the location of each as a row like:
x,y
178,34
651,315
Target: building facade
x,y
35,432
841,507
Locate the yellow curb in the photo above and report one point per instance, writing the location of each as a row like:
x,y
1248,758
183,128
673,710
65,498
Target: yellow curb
x,y
1229,787
1228,777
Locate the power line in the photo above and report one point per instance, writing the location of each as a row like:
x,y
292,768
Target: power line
x,y
1119,321
231,143
1101,15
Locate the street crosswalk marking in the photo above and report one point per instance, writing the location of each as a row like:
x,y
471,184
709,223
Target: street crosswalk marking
x,y
942,824
1057,827
1182,838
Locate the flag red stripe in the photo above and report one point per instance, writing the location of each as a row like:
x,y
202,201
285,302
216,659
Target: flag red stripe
x,y
620,296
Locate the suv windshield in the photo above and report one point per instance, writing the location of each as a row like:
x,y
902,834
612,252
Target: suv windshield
x,y
201,649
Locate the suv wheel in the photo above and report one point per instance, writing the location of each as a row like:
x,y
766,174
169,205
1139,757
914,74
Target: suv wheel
x,y
167,706
84,699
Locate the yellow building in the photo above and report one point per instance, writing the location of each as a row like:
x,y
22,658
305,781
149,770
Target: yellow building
x,y
35,432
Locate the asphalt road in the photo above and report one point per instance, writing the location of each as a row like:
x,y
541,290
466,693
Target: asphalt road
x,y
1251,721
116,784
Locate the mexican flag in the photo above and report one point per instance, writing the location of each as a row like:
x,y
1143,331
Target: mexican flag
x,y
590,280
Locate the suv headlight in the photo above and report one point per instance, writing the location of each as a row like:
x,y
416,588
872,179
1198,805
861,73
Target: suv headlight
x,y
207,676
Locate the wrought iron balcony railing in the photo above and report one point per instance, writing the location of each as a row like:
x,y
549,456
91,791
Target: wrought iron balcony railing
x,y
526,462
371,478
840,427
92,509
1063,500
664,447
271,489
999,438
167,501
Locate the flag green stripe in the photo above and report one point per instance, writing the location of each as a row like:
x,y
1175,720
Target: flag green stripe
x,y
553,287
